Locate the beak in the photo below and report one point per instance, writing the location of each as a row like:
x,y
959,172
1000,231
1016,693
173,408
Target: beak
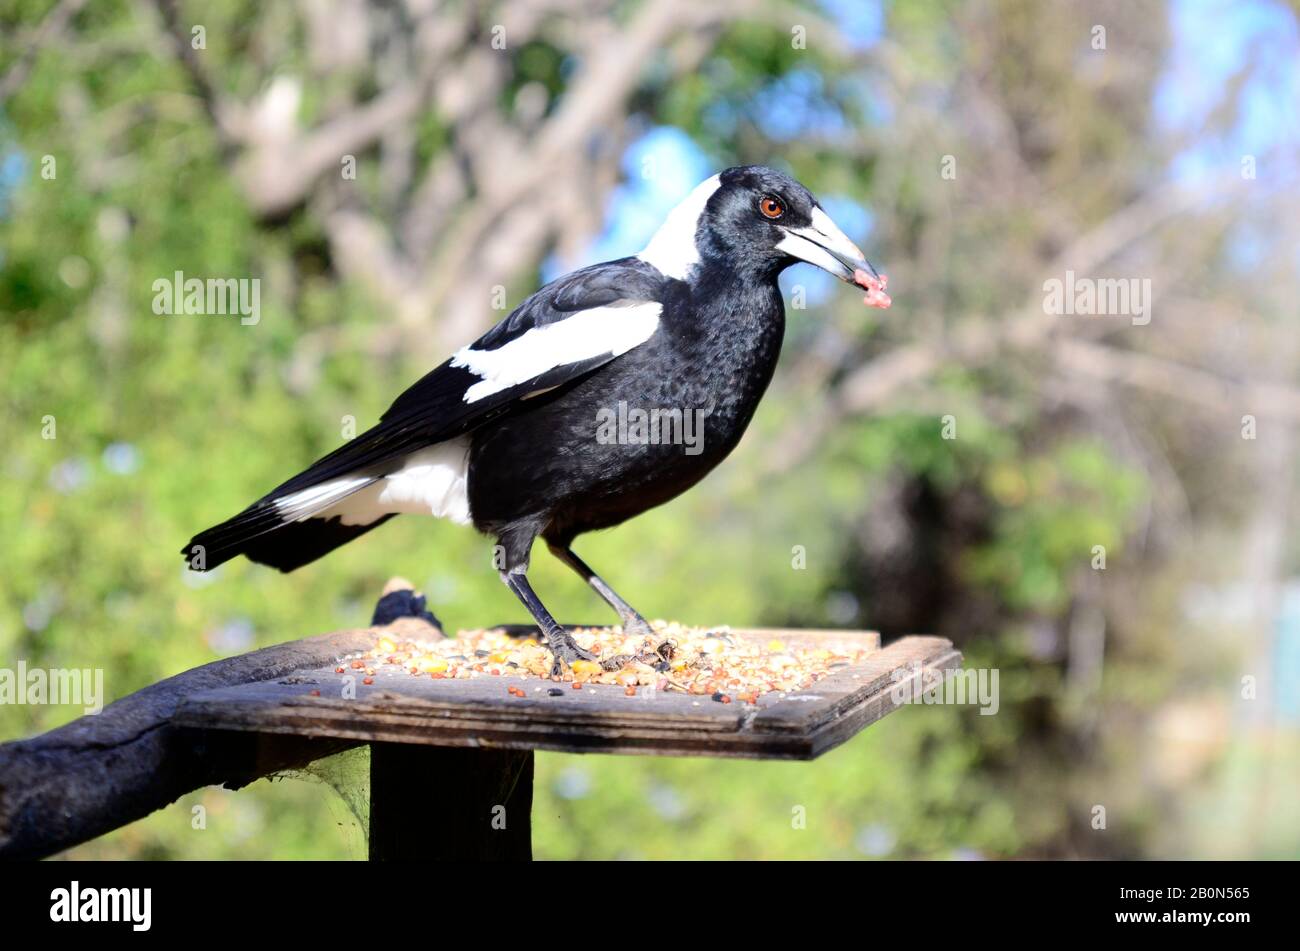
x,y
825,245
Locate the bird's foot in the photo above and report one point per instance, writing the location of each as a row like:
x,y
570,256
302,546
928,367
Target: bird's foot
x,y
616,662
637,626
564,651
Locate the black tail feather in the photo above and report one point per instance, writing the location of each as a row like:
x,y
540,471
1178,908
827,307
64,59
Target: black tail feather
x,y
299,543
282,545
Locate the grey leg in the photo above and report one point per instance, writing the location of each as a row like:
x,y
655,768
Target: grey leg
x,y
564,650
633,622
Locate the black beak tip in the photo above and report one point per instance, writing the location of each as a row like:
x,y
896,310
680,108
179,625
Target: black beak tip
x,y
870,268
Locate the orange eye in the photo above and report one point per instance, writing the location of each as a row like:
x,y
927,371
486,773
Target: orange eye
x,y
771,207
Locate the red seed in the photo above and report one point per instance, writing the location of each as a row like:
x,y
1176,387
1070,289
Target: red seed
x,y
576,685
339,670
315,693
368,680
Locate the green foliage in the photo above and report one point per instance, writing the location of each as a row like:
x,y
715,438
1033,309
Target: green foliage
x,y
163,425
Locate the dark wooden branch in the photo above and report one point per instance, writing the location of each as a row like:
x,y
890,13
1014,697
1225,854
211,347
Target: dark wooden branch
x,y
102,771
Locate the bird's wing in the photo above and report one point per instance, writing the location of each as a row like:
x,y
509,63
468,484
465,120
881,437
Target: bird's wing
x,y
565,330
568,328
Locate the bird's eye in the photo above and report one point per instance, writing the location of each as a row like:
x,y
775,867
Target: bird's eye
x,y
771,207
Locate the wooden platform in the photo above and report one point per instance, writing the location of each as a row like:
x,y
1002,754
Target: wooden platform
x,y
465,745
400,708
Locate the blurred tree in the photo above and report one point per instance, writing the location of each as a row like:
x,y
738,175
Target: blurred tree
x,y
392,172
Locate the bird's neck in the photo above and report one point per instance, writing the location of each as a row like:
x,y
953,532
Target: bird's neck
x,y
713,280
720,310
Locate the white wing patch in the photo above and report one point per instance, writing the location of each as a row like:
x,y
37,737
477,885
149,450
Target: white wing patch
x,y
306,503
429,482
613,329
434,481
672,250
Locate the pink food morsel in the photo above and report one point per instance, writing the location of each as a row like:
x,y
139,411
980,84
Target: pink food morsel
x,y
875,288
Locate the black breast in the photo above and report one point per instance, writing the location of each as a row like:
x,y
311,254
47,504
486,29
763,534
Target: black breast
x,y
639,430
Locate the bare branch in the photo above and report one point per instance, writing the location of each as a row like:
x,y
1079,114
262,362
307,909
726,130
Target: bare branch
x,y
222,110
1193,385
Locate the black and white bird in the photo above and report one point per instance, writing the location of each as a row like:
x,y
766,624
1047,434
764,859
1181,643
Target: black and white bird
x,y
504,435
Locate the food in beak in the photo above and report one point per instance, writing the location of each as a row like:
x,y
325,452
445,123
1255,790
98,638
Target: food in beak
x,y
875,288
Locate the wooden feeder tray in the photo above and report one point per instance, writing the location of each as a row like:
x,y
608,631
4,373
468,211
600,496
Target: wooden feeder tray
x,y
461,747
466,746
479,713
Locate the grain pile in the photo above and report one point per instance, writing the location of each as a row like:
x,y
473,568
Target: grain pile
x,y
705,662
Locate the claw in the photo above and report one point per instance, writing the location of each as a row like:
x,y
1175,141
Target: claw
x,y
616,662
638,627
564,651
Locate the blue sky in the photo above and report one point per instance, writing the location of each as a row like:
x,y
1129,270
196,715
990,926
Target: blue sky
x,y
1212,40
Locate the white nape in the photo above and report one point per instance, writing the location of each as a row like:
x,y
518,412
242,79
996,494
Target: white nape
x,y
613,329
672,250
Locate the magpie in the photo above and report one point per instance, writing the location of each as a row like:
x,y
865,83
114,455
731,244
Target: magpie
x,y
504,434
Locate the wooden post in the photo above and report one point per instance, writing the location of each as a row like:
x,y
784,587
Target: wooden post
x,y
435,803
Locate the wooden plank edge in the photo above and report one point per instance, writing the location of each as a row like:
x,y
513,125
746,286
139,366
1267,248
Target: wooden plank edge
x,y
878,705
339,719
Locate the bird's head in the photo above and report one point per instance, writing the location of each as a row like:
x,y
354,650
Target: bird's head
x,y
756,220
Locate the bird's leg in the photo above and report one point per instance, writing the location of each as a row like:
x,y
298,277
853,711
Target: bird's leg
x,y
564,650
633,622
